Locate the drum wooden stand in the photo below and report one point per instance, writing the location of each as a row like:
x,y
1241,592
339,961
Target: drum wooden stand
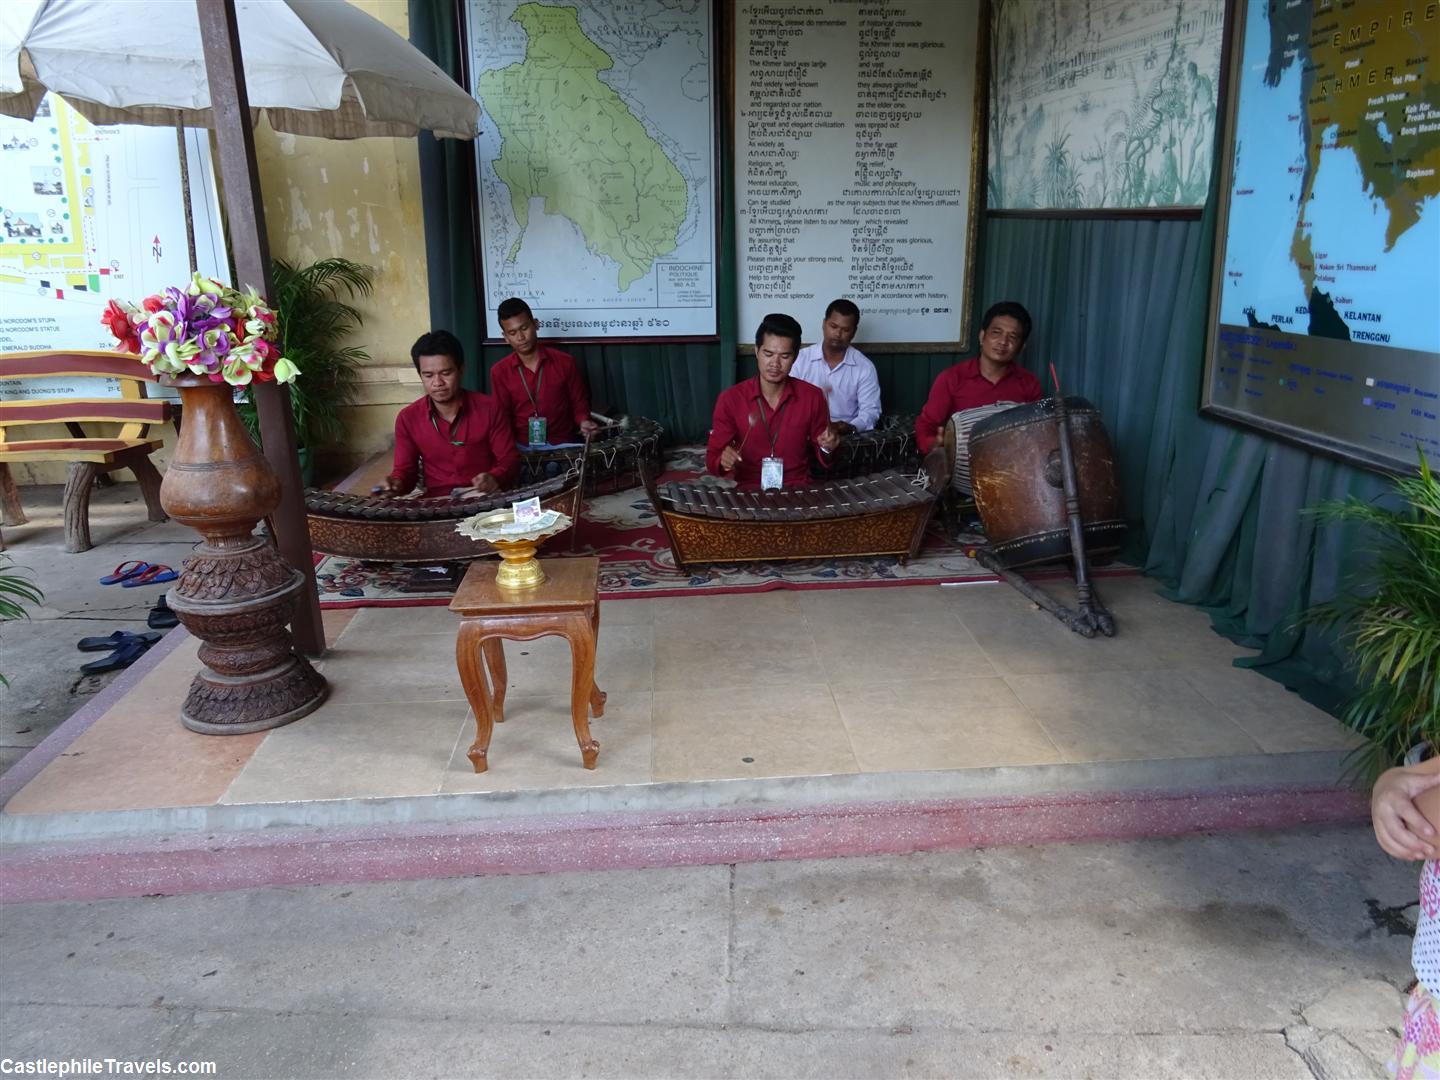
x,y
1026,536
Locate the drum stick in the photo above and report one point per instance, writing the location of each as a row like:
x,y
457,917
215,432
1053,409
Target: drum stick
x,y
1054,378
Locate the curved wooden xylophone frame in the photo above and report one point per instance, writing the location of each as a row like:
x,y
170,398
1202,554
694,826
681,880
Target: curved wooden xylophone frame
x,y
385,529
882,514
890,445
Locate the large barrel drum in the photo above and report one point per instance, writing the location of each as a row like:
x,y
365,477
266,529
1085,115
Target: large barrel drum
x,y
956,441
1019,488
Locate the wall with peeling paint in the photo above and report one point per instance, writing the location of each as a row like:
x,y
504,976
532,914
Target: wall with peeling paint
x,y
358,200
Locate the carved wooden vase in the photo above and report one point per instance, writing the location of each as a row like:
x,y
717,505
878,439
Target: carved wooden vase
x,y
235,593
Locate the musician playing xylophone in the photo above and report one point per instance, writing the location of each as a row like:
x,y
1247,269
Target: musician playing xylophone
x,y
538,387
764,429
461,437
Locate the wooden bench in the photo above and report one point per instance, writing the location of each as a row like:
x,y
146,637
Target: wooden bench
x,y
89,457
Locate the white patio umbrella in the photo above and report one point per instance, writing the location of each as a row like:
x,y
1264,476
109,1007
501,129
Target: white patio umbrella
x,y
317,67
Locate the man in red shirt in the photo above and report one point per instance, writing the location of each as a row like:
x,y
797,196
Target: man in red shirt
x,y
989,378
764,427
461,437
538,387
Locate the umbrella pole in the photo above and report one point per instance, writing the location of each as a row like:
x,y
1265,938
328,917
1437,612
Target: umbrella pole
x,y
235,147
185,190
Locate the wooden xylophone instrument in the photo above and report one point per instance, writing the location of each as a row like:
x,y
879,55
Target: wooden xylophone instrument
x,y
881,514
890,445
612,458
384,528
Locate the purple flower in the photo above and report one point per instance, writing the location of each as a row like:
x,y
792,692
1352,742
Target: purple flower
x,y
214,348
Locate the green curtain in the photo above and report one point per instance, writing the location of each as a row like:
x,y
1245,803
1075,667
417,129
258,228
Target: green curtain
x,y
447,198
1120,310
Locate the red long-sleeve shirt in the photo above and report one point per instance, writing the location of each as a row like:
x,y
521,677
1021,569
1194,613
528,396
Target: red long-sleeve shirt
x,y
962,386
556,387
480,427
741,416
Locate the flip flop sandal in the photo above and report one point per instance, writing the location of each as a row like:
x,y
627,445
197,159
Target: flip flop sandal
x,y
161,617
155,575
125,571
115,640
122,657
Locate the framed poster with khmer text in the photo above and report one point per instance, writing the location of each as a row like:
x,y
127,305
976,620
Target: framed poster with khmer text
x,y
856,171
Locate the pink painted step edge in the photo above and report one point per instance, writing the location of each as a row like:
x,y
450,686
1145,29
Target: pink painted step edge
x,y
193,863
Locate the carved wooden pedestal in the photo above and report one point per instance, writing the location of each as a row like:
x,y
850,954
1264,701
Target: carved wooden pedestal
x,y
567,604
236,593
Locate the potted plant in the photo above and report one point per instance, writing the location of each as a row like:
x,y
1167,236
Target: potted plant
x,y
313,321
1389,620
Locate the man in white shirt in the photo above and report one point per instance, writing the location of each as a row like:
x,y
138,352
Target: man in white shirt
x,y
844,374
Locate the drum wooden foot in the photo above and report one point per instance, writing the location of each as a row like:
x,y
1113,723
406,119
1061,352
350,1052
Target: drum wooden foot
x,y
1090,618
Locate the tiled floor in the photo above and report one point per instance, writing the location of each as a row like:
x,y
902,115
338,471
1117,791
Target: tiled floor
x,y
820,682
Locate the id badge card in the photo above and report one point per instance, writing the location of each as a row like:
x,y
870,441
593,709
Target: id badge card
x,y
772,473
537,431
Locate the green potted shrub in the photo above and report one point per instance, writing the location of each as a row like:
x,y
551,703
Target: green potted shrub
x,y
1389,621
16,590
314,320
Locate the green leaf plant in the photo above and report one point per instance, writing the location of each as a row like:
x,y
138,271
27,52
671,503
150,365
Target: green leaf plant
x,y
16,591
314,319
1388,618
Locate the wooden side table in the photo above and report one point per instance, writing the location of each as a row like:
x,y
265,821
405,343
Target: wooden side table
x,y
566,603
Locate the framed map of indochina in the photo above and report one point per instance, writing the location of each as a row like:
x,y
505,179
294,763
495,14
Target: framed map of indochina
x,y
1323,323
596,163
1103,104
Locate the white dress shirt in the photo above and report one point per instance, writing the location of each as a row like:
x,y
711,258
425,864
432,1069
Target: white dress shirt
x,y
852,388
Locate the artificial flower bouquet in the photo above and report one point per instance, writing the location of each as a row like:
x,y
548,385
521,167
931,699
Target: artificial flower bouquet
x,y
204,329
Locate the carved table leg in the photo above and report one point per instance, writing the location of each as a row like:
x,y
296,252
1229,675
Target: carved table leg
x,y
597,696
579,630
494,649
468,645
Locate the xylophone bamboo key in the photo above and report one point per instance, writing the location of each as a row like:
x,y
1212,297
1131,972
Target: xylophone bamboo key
x,y
714,506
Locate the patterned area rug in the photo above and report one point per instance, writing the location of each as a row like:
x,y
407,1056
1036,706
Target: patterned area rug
x,y
635,560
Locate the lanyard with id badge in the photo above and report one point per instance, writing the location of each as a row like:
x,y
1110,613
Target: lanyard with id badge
x,y
772,468
536,430
454,425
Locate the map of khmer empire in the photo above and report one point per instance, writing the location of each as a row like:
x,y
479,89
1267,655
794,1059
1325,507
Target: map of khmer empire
x,y
1333,227
596,163
1327,316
